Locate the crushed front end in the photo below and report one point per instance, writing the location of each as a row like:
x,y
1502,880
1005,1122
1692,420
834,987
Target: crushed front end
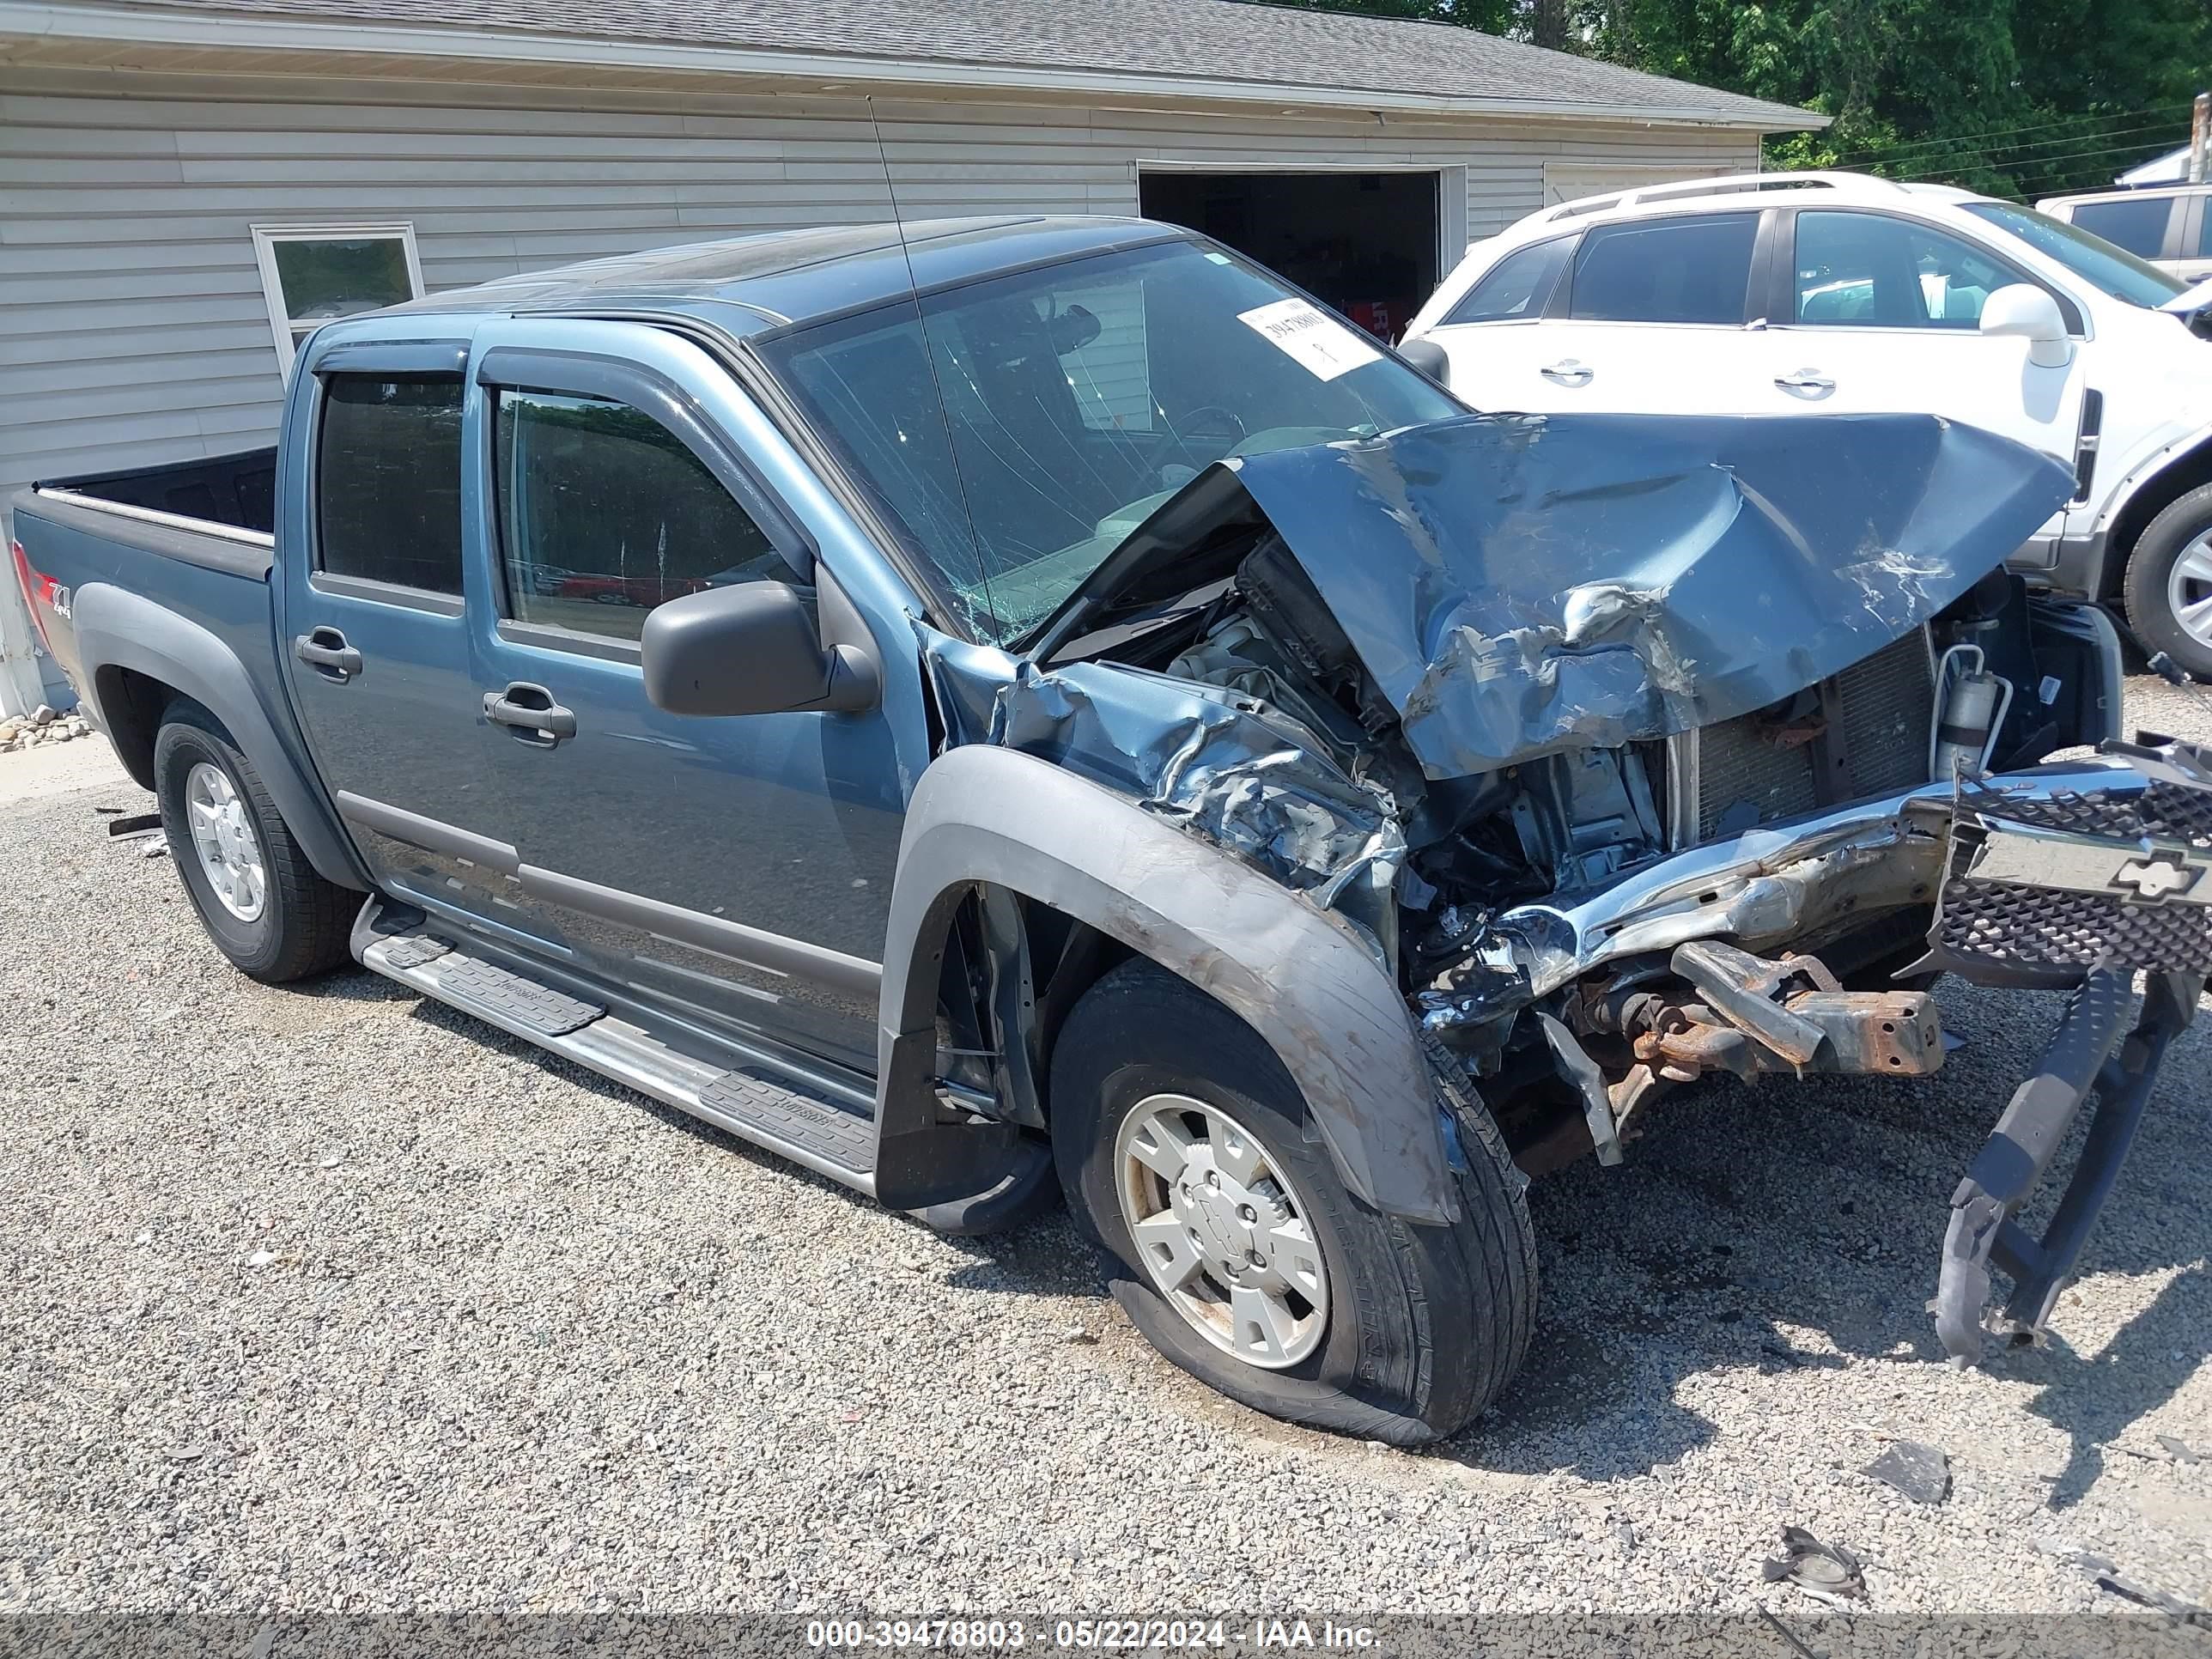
x,y
1640,751
2082,877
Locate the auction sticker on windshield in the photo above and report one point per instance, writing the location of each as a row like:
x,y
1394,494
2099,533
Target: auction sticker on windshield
x,y
1324,347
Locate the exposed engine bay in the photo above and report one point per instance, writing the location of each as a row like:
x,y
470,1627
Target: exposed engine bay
x,y
1466,851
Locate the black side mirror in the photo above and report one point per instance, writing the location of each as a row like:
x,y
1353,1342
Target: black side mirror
x,y
1073,329
753,648
1428,357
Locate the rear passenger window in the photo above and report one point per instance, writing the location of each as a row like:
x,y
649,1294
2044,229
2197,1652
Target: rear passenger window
x,y
1666,271
1517,287
604,514
388,481
2137,224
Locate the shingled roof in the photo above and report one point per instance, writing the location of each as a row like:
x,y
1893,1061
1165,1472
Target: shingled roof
x,y
1160,46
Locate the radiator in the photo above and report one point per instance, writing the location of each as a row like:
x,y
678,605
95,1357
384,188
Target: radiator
x,y
1881,709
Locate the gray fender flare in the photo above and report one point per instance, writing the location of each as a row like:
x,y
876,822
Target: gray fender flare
x,y
116,628
1301,978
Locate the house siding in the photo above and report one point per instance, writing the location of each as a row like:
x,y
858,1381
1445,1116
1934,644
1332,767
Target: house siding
x,y
133,329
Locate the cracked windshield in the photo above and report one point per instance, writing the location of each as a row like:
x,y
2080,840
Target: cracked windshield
x,y
1076,398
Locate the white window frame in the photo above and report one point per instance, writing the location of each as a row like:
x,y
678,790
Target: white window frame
x,y
265,239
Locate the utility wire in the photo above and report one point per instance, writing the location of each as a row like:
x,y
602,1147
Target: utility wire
x,y
2066,162
1968,155
2007,132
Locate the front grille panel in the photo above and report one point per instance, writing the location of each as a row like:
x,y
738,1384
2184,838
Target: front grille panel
x,y
1888,703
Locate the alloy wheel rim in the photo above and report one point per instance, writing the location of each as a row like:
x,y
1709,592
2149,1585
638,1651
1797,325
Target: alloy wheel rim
x,y
2189,589
1222,1230
229,852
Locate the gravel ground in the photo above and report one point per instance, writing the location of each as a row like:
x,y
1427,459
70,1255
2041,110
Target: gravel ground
x,y
331,1299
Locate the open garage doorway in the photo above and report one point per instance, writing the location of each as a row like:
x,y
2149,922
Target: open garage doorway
x,y
1368,243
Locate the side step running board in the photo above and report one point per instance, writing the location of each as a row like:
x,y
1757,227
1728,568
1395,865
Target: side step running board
x,y
777,1113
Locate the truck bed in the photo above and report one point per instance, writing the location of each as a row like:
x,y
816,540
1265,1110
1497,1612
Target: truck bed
x,y
238,490
112,558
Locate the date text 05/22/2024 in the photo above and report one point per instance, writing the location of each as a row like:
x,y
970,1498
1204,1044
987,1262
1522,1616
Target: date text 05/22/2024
x,y
1120,1635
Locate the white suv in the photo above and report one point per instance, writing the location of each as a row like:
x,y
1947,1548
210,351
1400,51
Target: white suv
x,y
1823,293
2170,226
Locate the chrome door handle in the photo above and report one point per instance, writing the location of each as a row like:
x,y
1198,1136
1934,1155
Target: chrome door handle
x,y
1805,380
1567,372
325,650
531,713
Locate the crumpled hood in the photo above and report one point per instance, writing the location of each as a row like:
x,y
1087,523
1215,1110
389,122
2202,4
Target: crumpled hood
x,y
1520,584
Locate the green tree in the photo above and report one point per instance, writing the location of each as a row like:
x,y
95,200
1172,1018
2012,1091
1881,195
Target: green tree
x,y
2015,97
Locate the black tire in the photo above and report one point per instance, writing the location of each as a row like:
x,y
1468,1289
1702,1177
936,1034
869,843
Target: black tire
x,y
304,922
1426,1324
2151,568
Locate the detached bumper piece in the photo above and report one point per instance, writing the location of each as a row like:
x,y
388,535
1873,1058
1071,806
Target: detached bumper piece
x,y
2080,892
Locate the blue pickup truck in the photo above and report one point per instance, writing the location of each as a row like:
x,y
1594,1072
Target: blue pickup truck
x,y
1031,708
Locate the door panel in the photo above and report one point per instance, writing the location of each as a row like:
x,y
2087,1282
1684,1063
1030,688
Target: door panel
x,y
372,636
1498,367
737,871
1880,315
2195,263
1645,316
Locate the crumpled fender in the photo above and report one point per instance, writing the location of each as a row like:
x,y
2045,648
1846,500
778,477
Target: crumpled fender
x,y
1305,981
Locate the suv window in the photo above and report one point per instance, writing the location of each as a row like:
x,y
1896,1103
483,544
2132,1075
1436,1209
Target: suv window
x,y
388,481
1869,270
1516,287
604,514
1666,271
2137,224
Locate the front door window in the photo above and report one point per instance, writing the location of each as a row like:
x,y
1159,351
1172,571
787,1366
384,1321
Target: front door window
x,y
604,514
1869,271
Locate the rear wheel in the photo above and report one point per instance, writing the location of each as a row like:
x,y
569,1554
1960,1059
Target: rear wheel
x,y
260,900
1233,1244
2169,582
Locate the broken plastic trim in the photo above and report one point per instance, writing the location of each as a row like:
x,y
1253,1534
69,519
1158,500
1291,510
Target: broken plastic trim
x,y
1226,767
2088,1055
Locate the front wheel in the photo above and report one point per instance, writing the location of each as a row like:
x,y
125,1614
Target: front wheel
x,y
261,901
1233,1244
2169,583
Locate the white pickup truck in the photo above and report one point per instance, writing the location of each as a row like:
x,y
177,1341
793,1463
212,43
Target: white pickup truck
x,y
1839,293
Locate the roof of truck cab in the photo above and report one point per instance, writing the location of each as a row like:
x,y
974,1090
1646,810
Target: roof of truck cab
x,y
750,283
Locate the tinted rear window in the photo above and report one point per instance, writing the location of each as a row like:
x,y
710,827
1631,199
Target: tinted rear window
x,y
1516,287
1667,271
388,481
2137,225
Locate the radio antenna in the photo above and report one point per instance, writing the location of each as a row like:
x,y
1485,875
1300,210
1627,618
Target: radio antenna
x,y
929,357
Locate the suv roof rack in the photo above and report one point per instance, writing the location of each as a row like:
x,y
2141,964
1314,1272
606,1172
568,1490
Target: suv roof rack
x,y
1725,184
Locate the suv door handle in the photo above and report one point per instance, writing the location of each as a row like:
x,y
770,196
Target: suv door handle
x,y
1567,372
530,711
325,649
1805,380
